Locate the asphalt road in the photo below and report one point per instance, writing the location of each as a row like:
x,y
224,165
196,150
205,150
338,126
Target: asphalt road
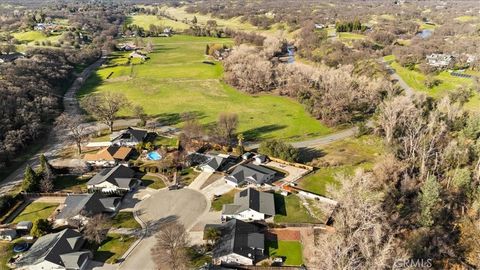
x,y
185,206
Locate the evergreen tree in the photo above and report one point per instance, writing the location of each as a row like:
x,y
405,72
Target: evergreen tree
x,y
194,21
207,49
30,180
429,199
41,227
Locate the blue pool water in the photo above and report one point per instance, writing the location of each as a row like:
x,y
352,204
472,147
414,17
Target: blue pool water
x,y
154,156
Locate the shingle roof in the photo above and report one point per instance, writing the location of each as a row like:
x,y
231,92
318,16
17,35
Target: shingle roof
x,y
133,135
110,153
119,175
241,238
53,248
85,204
215,162
251,198
250,172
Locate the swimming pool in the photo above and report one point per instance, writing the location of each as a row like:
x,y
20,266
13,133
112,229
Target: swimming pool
x,y
154,155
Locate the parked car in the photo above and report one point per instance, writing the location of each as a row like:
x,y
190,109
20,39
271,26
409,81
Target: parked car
x,y
175,187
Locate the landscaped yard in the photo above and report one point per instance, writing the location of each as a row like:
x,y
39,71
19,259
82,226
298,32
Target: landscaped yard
x,y
125,220
152,181
175,81
35,211
290,250
342,157
188,175
113,248
224,199
290,209
165,141
71,183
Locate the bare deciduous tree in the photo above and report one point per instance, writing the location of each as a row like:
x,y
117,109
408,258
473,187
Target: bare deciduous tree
x,y
105,107
170,248
226,126
74,128
96,228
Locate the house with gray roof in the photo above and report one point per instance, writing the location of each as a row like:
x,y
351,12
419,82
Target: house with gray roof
x,y
8,234
250,174
112,180
62,250
130,137
240,243
213,163
82,206
249,205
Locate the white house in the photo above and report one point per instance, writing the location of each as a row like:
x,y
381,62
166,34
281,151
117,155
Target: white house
x,y
8,234
250,205
250,173
214,163
439,60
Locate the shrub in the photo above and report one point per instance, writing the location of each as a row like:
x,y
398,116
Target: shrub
x,y
279,149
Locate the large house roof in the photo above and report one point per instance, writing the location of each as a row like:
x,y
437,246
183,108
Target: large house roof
x,y
87,205
215,162
132,135
242,238
250,172
251,198
110,153
120,176
59,248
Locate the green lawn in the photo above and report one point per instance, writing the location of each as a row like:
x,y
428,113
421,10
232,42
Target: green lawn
x,y
72,183
165,141
466,18
145,21
6,252
175,80
226,198
125,220
290,209
291,250
35,211
188,175
153,181
342,157
30,37
416,79
113,248
346,35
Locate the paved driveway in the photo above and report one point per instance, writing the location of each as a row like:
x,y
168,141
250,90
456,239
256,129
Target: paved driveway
x,y
294,173
185,205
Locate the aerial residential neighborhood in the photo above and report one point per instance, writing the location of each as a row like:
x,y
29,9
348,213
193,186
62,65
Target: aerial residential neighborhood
x,y
222,135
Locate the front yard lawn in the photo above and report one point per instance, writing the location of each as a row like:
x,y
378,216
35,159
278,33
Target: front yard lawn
x,y
113,248
290,250
72,183
35,211
224,199
152,181
188,175
290,209
125,220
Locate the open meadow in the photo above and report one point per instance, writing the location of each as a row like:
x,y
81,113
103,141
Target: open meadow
x,y
176,80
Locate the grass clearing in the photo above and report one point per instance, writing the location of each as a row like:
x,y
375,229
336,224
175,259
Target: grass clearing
x,y
125,220
175,81
349,36
35,211
30,37
113,248
290,209
145,21
291,250
226,198
152,181
466,18
342,157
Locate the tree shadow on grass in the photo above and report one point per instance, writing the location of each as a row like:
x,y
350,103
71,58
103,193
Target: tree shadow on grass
x,y
255,133
309,154
93,81
171,119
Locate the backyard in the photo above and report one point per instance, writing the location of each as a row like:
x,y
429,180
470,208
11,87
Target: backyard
x,y
175,80
290,250
71,183
35,211
290,209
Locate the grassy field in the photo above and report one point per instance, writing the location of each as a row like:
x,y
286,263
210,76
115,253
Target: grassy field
x,y
153,181
35,211
234,23
113,248
30,37
145,21
347,36
290,209
466,18
291,250
416,79
175,81
342,157
72,183
125,220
